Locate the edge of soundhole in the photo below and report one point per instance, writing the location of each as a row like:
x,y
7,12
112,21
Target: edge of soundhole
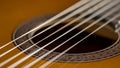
x,y
108,52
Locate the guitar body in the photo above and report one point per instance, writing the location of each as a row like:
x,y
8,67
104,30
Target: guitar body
x,y
14,12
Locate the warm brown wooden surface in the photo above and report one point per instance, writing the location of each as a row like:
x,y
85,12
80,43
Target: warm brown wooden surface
x,y
14,12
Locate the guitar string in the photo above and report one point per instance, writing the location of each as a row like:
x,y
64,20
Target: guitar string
x,y
76,64
84,14
75,6
62,20
39,33
20,61
117,27
54,58
38,59
28,56
91,10
84,21
62,66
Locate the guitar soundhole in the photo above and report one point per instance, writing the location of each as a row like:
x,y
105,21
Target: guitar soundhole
x,y
103,44
91,44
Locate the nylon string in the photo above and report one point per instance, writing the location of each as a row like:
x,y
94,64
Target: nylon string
x,y
38,59
56,32
84,14
107,7
37,51
78,4
54,58
62,20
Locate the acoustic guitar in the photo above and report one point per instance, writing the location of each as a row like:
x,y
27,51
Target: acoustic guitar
x,y
59,34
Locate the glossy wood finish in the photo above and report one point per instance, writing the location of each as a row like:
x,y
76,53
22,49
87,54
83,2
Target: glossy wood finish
x,y
14,12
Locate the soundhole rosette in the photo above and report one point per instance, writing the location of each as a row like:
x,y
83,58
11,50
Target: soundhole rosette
x,y
107,52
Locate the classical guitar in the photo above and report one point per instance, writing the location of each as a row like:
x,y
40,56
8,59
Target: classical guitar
x,y
60,34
